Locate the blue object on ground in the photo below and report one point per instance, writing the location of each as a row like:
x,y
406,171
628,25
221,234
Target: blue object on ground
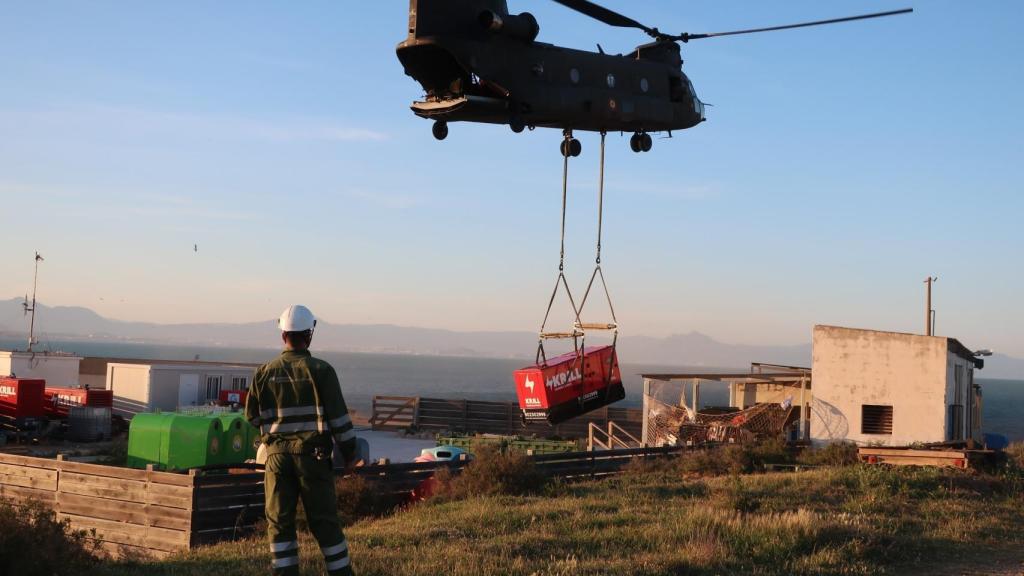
x,y
995,441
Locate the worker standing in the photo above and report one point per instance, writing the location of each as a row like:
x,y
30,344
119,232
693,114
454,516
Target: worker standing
x,y
296,402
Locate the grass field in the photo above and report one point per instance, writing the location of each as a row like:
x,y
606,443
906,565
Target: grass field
x,y
848,520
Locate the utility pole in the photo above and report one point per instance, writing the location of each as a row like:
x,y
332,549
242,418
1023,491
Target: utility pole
x,y
929,312
32,308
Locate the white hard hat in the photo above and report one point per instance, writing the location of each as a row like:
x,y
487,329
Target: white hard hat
x,y
296,318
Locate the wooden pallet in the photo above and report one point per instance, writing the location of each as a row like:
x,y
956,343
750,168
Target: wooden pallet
x,y
945,458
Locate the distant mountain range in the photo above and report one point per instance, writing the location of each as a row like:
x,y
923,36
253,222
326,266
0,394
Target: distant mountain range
x,y
693,349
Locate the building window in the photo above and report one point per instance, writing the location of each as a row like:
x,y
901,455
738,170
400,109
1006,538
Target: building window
x,y
213,384
239,383
875,419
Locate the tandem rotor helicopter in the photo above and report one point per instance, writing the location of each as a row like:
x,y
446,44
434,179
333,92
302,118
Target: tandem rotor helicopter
x,y
479,63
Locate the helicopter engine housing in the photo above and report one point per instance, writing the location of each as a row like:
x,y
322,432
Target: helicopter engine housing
x,y
519,26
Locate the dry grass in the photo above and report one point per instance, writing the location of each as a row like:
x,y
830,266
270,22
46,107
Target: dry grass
x,y
662,521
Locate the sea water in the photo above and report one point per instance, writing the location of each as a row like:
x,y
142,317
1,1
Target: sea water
x,y
366,375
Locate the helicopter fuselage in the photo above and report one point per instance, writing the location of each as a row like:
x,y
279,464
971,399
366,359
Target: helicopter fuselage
x,y
475,72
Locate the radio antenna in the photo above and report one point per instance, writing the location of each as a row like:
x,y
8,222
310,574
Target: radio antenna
x,y
32,323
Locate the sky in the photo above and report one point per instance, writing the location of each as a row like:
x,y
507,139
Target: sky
x,y
839,167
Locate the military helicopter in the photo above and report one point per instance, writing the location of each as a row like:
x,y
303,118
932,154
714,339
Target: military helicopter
x,y
479,63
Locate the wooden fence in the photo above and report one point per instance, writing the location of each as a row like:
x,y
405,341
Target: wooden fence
x,y
482,417
130,510
157,513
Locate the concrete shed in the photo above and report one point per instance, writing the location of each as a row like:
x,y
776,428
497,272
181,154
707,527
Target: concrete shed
x,y
167,386
892,389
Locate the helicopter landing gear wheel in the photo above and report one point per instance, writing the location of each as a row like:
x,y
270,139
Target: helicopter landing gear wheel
x,y
571,147
440,129
640,142
516,124
646,142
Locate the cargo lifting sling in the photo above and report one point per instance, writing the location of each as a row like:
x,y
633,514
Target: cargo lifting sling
x,y
585,379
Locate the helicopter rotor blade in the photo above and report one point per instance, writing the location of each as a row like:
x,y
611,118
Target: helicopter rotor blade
x,y
605,15
686,37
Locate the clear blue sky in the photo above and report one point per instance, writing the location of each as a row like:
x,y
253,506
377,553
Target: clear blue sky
x,y
838,168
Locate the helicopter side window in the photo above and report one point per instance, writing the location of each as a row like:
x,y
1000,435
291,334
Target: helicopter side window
x,y
677,92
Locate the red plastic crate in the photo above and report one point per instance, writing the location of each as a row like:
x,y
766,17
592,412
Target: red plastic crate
x,y
57,401
21,398
568,385
229,397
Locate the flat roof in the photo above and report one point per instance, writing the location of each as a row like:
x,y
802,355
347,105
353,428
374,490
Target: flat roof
x,y
955,345
745,377
158,365
98,364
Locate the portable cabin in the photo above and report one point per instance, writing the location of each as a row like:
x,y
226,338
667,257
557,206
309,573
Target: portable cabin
x,y
139,387
56,368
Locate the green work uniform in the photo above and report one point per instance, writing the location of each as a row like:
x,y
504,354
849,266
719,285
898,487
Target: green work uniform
x,y
296,402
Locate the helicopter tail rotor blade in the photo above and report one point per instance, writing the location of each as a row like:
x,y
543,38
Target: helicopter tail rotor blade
x,y
605,15
686,37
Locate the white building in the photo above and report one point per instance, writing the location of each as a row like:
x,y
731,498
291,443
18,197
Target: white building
x,y
892,389
57,368
166,386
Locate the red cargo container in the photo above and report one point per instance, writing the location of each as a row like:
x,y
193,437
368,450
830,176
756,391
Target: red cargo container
x,y
569,385
21,398
229,397
59,400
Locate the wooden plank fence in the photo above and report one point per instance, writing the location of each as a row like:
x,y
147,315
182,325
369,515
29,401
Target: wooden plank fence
x,y
484,417
157,513
130,510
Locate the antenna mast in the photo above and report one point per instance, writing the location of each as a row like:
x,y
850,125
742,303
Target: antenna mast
x,y
929,312
32,308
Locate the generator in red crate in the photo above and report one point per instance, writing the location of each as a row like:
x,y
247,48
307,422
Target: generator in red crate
x,y
229,397
21,399
569,385
59,400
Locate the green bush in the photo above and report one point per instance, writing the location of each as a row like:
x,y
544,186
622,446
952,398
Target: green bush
x,y
1015,455
772,451
34,543
834,454
493,472
361,498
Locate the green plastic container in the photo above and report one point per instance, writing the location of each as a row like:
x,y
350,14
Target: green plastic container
x,y
235,447
145,439
253,441
172,441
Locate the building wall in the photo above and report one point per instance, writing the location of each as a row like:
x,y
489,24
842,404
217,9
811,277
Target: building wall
x,y
94,381
59,371
963,395
130,383
165,381
856,367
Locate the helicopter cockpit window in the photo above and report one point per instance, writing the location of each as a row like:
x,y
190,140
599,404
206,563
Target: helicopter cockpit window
x,y
611,80
644,86
574,75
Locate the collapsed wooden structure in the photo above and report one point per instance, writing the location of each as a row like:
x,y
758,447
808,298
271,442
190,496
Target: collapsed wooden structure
x,y
769,400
